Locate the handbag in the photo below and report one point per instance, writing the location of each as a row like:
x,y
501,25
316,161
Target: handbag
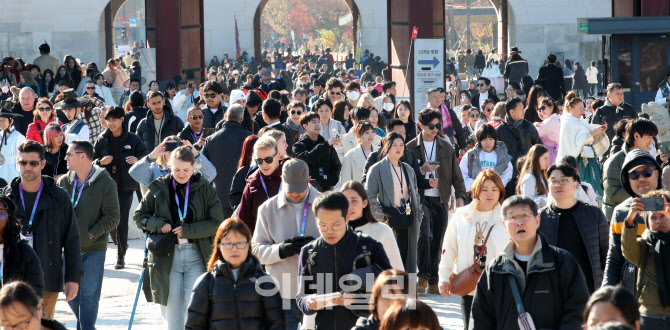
x,y
161,244
524,319
466,281
396,219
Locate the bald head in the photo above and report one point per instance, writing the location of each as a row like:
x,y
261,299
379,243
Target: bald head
x,y
27,97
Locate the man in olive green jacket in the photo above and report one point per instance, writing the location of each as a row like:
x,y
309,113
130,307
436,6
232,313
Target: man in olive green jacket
x,y
96,204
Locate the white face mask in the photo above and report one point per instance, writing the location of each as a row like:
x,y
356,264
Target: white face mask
x,y
388,106
354,95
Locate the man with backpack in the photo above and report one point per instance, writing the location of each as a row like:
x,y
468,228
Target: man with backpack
x,y
325,261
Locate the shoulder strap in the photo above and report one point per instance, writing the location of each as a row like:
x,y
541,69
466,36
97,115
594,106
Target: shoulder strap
x,y
641,272
471,162
488,234
516,295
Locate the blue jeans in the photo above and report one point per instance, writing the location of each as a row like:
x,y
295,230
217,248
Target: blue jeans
x,y
293,316
654,322
85,305
186,268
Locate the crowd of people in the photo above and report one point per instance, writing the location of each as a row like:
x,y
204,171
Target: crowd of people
x,y
300,192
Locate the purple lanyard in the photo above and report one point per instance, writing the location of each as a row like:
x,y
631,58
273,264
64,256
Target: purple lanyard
x,y
195,136
304,214
176,197
266,188
32,215
74,189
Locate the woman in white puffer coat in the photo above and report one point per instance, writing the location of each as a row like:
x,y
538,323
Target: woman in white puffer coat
x,y
467,230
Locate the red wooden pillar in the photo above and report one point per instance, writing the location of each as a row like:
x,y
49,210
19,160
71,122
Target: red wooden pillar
x,y
428,17
179,44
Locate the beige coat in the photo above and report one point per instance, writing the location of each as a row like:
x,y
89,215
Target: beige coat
x,y
353,164
276,223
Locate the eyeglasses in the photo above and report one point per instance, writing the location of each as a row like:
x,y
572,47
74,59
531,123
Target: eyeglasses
x,y
69,154
210,96
268,160
44,109
520,218
90,87
561,182
239,245
196,117
333,227
432,127
333,93
296,112
33,163
636,175
474,115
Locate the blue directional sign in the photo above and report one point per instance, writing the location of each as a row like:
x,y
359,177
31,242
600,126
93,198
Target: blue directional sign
x,y
434,62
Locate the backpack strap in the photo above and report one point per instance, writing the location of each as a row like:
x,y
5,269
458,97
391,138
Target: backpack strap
x,y
310,261
364,253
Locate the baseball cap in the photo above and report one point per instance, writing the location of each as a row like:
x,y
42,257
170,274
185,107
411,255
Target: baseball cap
x,y
642,162
236,72
295,175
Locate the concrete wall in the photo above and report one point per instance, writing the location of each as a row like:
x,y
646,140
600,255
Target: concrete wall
x,y
220,26
539,27
71,27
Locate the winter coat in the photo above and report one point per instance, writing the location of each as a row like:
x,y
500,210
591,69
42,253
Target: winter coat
x,y
353,164
276,223
97,211
21,123
338,260
146,129
278,84
333,125
22,263
515,68
132,146
611,114
448,173
254,194
238,184
616,145
470,165
187,135
55,233
576,139
229,138
350,141
549,131
593,230
614,193
553,292
211,118
634,248
36,129
552,80
219,301
618,269
592,75
480,61
133,117
379,187
463,233
324,165
408,158
519,137
154,212
579,78
9,150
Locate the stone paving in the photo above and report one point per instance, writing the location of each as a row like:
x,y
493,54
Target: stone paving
x,y
120,287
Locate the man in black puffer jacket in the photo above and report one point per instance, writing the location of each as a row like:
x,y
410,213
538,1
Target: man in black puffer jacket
x,y
159,123
326,260
548,279
319,154
221,300
574,226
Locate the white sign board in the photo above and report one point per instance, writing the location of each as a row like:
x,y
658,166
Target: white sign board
x,y
428,69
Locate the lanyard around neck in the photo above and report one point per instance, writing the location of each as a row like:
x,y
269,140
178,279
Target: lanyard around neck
x,y
37,199
265,188
182,216
74,188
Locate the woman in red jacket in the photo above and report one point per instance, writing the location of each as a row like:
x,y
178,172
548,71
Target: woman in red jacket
x,y
44,114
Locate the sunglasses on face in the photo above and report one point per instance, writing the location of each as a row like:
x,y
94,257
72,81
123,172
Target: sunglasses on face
x,y
296,112
474,115
90,87
33,163
636,175
210,96
432,127
333,93
268,160
481,85
196,117
44,109
542,108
